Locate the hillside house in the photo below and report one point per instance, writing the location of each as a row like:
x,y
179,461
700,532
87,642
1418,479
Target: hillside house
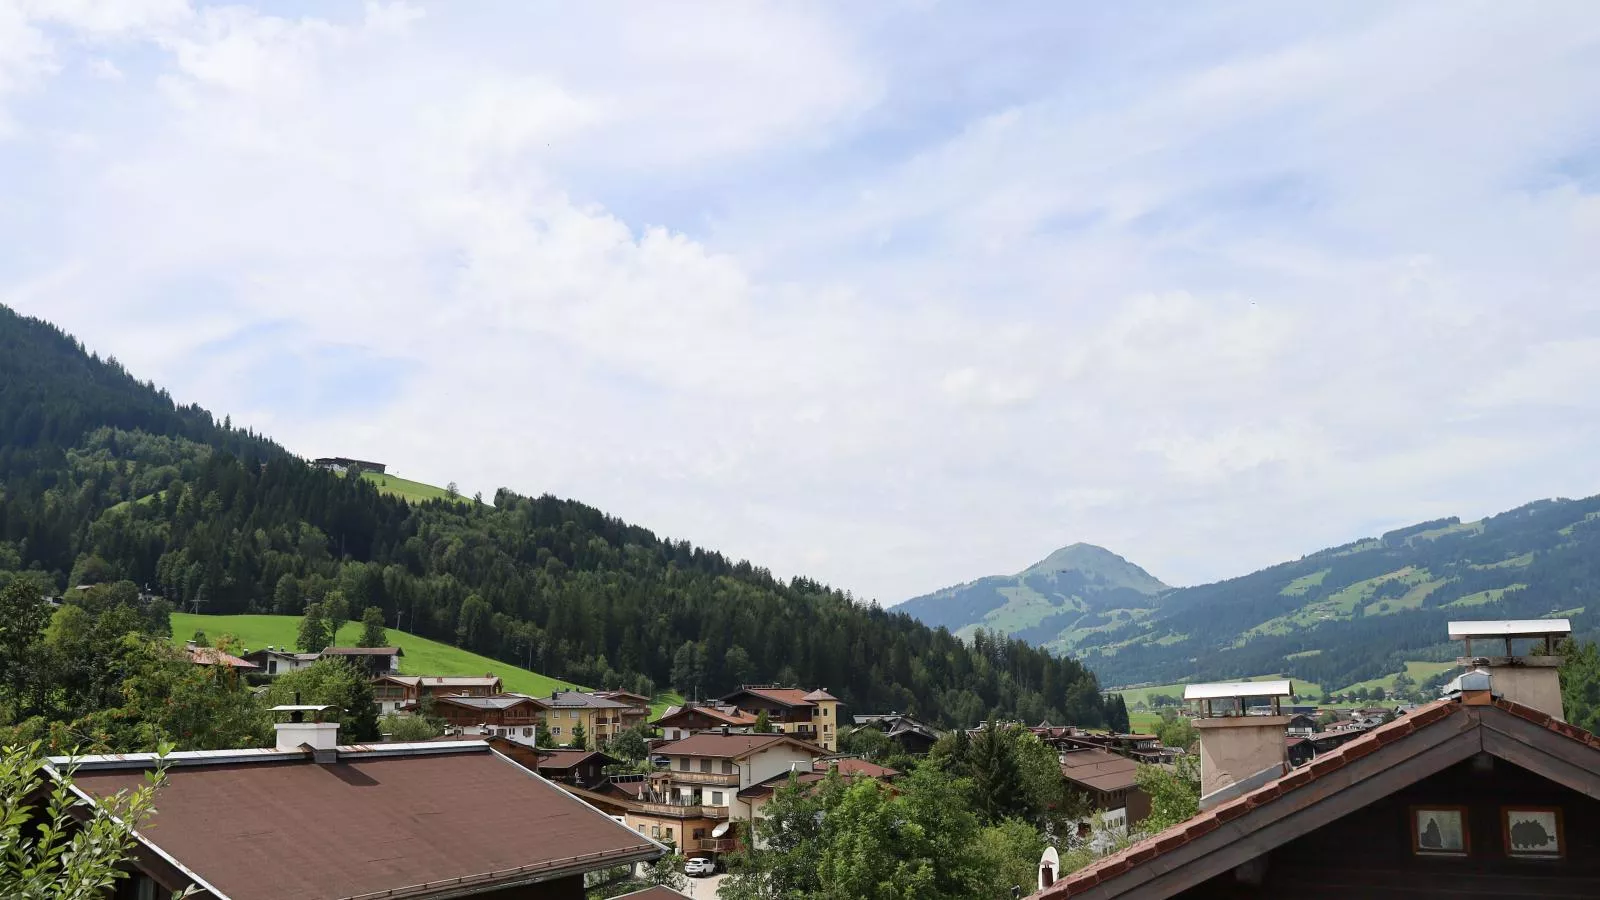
x,y
503,715
584,768
602,718
699,788
275,661
426,821
210,656
808,715
343,464
391,692
1110,781
1484,793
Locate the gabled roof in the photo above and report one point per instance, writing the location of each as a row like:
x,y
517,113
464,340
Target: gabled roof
x,y
1379,763
1099,770
856,768
820,695
580,700
497,701
412,820
210,656
732,746
652,893
442,680
725,715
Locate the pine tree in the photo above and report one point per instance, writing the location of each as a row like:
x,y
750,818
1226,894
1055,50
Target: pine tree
x,y
315,635
580,738
372,630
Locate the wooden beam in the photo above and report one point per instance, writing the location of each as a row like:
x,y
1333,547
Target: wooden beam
x,y
1560,768
1335,794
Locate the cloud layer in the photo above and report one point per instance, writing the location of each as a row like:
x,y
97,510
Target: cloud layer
x,y
895,297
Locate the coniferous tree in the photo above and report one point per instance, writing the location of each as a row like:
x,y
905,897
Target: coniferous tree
x,y
315,634
373,634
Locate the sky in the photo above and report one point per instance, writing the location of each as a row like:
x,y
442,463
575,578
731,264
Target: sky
x,y
893,295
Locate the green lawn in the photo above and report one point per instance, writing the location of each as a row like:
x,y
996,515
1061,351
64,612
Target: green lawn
x,y
423,657
1482,597
1419,671
1141,722
413,491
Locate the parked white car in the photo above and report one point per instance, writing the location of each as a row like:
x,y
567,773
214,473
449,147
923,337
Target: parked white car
x,y
700,866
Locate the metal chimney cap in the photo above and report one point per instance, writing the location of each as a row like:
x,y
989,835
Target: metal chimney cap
x,y
1504,628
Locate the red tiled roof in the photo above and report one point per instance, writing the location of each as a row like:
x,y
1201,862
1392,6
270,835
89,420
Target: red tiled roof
x,y
1099,770
735,719
401,821
1163,842
784,696
820,695
653,893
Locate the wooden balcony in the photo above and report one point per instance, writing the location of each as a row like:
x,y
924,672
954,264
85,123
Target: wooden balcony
x,y
684,810
721,779
710,845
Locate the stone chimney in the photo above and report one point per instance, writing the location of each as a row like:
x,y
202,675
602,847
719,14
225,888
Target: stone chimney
x,y
322,737
1242,739
1529,671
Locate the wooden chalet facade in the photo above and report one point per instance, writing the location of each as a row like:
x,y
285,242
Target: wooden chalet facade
x,y
808,715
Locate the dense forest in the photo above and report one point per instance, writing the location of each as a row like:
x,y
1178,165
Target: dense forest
x,y
105,479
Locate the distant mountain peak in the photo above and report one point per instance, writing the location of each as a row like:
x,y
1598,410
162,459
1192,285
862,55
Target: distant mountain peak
x,y
1096,562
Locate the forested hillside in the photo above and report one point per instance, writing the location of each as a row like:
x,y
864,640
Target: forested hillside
x,y
103,478
1359,611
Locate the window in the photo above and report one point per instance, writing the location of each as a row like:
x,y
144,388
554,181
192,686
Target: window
x,y
683,763
824,712
669,833
527,732
556,731
727,767
641,829
1533,832
655,831
1440,831
705,765
716,798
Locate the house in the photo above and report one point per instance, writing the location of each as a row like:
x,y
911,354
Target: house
x,y
511,716
850,767
424,821
678,722
700,787
913,737
278,660
341,464
374,660
1110,780
1484,793
636,707
1302,725
584,768
391,692
601,717
210,656
808,715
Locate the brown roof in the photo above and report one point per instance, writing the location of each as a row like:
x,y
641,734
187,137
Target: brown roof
x,y
632,789
403,819
1099,770
735,718
1251,811
856,767
566,759
770,786
363,651
730,746
443,680
819,695
782,696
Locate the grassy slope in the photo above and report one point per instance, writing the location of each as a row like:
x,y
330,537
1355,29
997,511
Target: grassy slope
x,y
423,657
1135,696
1418,670
413,491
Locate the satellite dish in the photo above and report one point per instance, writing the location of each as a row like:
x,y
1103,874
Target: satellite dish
x,y
1049,867
720,830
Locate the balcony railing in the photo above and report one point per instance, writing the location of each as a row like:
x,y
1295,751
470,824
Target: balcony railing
x,y
710,845
685,810
725,779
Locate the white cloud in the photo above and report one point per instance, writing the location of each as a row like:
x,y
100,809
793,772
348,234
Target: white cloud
x,y
749,274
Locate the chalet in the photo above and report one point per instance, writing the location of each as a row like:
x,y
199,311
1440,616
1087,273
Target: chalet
x,y
391,692
503,715
913,737
279,660
1484,793
699,789
341,464
584,768
808,715
373,660
424,821
851,767
1302,725
1110,782
678,722
210,656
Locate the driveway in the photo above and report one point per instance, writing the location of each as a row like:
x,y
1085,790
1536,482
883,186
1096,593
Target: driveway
x,y
704,888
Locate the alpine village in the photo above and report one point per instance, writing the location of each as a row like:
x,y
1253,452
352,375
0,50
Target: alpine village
x,y
502,450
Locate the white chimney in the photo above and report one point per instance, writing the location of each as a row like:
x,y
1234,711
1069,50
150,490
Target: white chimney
x,y
1240,747
297,732
1532,677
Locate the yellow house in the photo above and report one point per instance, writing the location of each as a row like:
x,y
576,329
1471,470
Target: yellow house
x,y
601,717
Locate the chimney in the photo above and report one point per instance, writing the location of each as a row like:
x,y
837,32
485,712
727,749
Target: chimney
x,y
1529,673
1242,743
322,737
